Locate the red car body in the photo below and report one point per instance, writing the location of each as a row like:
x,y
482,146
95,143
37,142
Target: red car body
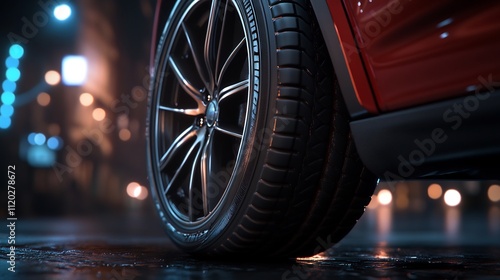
x,y
404,53
420,80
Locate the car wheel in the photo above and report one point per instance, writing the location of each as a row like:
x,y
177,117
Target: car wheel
x,y
249,146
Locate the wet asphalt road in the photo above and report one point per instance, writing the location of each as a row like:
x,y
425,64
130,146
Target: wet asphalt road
x,y
102,261
413,247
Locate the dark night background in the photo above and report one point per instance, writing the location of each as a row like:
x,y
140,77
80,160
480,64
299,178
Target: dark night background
x,y
94,165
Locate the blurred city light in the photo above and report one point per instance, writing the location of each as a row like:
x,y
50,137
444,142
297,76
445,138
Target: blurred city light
x,y
124,134
143,194
62,12
5,122
9,86
74,70
494,193
452,197
86,99
31,138
52,77
54,143
13,74
131,188
384,197
11,62
8,98
16,51
140,193
435,191
41,156
98,114
43,99
6,110
39,139
135,190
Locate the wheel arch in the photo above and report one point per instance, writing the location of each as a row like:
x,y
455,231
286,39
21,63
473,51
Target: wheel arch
x,y
345,57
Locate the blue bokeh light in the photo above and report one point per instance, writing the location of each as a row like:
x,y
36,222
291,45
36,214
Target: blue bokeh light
x,y
13,74
31,138
40,139
8,98
9,86
54,143
40,156
11,62
7,110
5,122
16,51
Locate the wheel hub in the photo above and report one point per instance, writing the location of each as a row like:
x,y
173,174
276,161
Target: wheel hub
x,y
212,113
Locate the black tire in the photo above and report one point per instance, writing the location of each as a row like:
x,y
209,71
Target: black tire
x,y
265,167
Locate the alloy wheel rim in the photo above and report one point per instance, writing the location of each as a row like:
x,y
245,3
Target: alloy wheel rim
x,y
200,110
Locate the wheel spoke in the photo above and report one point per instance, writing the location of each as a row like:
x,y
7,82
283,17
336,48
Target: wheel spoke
x,y
231,132
185,84
210,40
219,47
187,112
181,140
195,52
230,59
232,89
180,169
192,179
205,171
199,133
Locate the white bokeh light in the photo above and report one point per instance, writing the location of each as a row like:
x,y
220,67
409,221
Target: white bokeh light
x,y
74,70
452,197
135,190
384,197
62,12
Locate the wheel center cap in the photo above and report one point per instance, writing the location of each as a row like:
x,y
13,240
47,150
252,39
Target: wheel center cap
x,y
212,113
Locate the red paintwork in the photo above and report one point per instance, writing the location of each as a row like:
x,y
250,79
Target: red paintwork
x,y
352,57
407,60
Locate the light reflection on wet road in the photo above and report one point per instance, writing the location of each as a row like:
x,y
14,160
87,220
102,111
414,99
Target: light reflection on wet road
x,y
103,261
408,247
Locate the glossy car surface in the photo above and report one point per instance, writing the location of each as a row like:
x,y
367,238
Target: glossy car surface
x,y
417,52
